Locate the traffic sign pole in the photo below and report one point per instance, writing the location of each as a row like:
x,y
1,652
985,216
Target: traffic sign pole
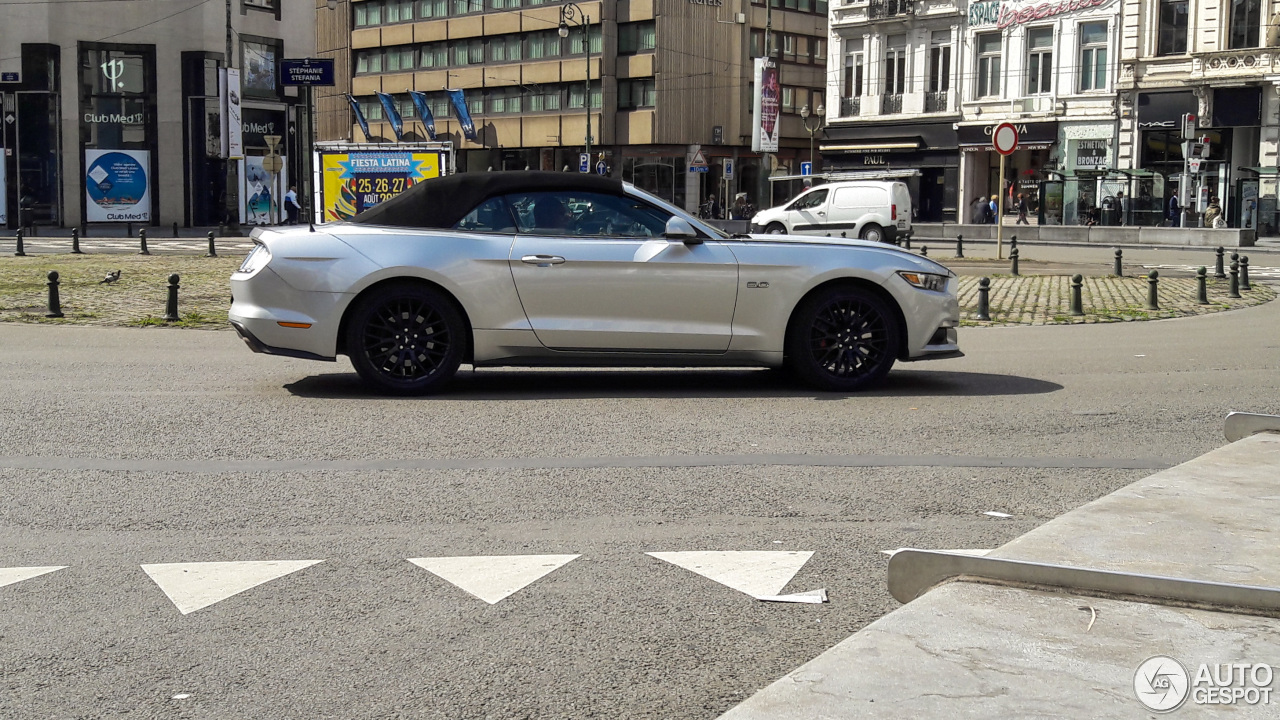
x,y
1005,140
1000,213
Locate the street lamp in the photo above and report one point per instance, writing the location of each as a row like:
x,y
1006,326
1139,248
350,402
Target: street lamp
x,y
571,13
821,117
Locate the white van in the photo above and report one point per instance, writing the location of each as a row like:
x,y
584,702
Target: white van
x,y
868,209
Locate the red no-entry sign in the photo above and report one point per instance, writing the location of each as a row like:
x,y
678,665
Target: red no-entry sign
x,y
1005,138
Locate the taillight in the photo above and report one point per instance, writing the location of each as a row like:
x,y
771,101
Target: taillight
x,y
893,211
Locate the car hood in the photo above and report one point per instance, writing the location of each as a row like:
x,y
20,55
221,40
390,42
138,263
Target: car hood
x,y
923,264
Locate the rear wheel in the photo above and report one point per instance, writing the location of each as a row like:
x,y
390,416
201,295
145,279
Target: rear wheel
x,y
873,232
775,228
843,338
406,339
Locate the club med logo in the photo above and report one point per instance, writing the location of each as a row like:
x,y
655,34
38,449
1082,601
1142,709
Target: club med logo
x,y
1163,684
134,119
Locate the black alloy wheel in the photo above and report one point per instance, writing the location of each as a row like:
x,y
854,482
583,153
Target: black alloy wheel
x,y
406,339
843,339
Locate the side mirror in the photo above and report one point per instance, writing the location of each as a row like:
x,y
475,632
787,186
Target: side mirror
x,y
679,229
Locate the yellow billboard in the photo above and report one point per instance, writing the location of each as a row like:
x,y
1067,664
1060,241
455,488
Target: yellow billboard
x,y
354,181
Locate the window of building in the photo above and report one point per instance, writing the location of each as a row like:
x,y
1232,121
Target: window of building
x,y
819,46
505,48
1093,56
504,4
1246,22
433,9
637,93
434,55
576,95
638,37
789,47
399,58
545,44
757,43
265,4
544,98
1172,33
368,61
575,40
989,50
853,73
940,61
1039,60
368,13
397,11
466,7
371,108
258,56
895,65
504,100
788,99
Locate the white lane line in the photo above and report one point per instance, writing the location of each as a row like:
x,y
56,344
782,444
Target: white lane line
x,y
493,577
757,573
9,576
191,586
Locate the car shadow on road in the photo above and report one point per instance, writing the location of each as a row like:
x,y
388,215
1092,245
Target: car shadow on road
x,y
542,384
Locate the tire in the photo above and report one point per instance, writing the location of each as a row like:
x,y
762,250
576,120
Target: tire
x,y
872,232
843,339
775,228
382,321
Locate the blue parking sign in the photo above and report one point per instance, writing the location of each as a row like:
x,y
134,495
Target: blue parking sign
x,y
584,162
806,168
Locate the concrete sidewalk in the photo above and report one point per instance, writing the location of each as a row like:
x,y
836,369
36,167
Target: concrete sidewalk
x,y
975,649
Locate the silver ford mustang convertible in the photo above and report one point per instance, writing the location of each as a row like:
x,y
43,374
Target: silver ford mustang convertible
x,y
544,268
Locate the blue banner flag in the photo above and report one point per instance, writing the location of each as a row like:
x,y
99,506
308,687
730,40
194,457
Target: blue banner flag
x,y
464,116
364,124
424,111
393,115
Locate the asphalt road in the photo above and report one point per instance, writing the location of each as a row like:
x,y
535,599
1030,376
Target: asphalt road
x,y
128,447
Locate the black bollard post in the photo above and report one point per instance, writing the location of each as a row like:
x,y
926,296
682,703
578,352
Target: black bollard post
x,y
1244,274
908,242
1077,302
1153,283
55,303
1013,243
175,229
959,246
142,237
1013,262
1119,268
128,229
171,307
1235,280
844,233
1217,269
20,252
75,242
924,251
984,299
1202,289
213,251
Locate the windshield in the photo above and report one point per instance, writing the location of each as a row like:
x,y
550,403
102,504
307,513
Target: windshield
x,y
705,228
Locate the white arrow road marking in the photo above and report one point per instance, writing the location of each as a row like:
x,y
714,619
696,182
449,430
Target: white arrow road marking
x,y
191,586
813,597
493,577
9,576
756,573
962,551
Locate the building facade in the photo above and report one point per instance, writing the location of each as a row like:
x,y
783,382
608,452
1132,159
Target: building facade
x,y
1215,60
668,79
109,105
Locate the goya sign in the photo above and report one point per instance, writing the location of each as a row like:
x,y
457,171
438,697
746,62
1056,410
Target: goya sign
x,y
1003,14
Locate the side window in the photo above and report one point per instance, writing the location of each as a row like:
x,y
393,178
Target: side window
x,y
586,214
809,200
492,215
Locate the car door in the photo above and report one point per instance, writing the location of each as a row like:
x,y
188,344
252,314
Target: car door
x,y
811,212
594,272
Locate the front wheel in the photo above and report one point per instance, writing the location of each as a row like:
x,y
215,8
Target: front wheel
x,y
843,339
775,228
406,339
873,232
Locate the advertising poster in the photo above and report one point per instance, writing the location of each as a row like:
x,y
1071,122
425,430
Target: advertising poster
x,y
261,195
232,127
764,131
4,218
117,185
352,182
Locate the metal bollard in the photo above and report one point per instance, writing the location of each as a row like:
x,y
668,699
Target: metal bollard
x,y
1235,280
55,303
1119,268
1153,283
171,307
908,242
75,242
128,229
959,246
1244,274
1013,262
142,237
1013,243
1077,302
1217,268
1202,288
984,299
844,233
175,229
213,251
924,251
21,252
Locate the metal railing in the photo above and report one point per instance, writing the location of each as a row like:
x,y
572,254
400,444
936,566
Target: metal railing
x,y
880,9
891,104
850,106
936,101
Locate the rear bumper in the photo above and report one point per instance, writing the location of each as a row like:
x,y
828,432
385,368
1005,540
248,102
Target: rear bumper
x,y
258,346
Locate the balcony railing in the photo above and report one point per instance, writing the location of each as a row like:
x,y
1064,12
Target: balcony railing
x,y
935,101
850,106
891,104
880,9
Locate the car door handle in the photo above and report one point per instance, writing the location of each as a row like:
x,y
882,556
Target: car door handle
x,y
542,260
822,213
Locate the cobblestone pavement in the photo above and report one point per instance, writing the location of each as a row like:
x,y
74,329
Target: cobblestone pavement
x,y
1045,299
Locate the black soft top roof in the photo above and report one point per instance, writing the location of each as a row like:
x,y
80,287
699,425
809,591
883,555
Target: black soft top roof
x,y
441,202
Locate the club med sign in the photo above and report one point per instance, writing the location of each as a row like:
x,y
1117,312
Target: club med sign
x,y
1004,14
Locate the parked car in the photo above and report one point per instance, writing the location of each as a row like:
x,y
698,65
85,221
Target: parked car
x,y
873,210
539,268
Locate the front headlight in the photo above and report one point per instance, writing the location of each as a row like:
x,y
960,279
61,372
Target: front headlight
x,y
258,259
925,281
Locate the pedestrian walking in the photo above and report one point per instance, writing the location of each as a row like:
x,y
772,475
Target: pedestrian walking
x,y
994,208
291,206
1022,210
1175,211
978,211
1213,215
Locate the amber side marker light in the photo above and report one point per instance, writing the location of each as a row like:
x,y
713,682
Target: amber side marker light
x,y
304,326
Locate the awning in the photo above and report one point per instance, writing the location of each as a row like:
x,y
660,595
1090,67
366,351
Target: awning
x,y
1021,146
1136,172
853,175
873,147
